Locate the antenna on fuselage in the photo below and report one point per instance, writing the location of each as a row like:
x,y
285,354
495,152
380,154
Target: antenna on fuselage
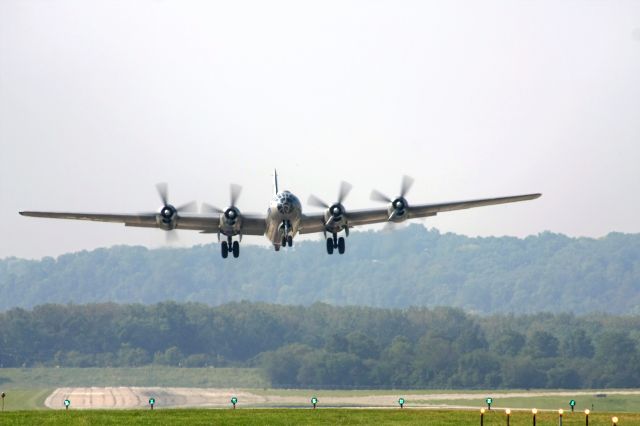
x,y
275,181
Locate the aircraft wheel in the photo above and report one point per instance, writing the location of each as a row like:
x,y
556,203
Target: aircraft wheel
x,y
284,242
341,245
236,249
277,248
330,245
290,241
225,249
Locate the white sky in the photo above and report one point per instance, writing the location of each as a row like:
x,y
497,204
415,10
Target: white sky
x,y
99,100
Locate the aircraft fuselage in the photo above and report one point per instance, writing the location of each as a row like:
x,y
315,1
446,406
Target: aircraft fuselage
x,y
283,218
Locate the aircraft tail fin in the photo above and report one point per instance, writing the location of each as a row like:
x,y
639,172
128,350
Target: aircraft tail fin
x,y
275,181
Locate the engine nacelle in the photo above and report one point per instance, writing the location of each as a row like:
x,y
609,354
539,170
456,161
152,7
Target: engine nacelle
x,y
398,210
168,218
231,221
334,217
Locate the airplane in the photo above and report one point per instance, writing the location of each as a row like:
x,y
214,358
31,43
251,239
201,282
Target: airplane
x,y
284,218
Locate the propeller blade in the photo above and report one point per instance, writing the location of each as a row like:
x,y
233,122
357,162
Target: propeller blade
x,y
190,207
317,202
208,208
407,182
388,227
379,196
235,191
163,191
171,237
345,188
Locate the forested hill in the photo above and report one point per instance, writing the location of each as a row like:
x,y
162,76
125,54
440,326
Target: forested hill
x,y
412,266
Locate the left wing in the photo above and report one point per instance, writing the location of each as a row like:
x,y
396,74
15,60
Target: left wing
x,y
315,222
207,223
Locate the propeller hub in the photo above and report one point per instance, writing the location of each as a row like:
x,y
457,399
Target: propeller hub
x,y
336,210
167,211
231,215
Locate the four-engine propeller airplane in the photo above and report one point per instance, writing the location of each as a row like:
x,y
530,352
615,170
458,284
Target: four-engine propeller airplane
x,y
284,218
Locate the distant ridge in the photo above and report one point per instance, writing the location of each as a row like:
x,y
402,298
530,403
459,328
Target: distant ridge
x,y
410,267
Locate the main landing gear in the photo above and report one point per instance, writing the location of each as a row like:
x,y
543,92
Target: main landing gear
x,y
335,243
287,241
229,246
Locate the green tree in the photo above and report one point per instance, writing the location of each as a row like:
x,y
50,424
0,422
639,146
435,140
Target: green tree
x,y
577,345
509,343
542,345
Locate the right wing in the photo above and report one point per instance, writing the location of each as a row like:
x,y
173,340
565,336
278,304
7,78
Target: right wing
x,y
315,222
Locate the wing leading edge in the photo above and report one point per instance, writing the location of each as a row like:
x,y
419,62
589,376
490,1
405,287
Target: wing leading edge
x,y
252,225
315,222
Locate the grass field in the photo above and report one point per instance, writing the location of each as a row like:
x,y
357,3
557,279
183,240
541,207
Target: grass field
x,y
27,389
584,398
25,399
298,417
29,378
612,403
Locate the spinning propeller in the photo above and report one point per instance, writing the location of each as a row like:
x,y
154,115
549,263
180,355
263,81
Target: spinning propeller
x,y
399,204
169,214
336,210
232,213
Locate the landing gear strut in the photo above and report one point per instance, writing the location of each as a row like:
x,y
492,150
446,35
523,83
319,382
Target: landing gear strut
x,y
287,239
230,246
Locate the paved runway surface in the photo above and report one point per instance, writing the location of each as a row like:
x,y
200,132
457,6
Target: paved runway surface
x,y
138,397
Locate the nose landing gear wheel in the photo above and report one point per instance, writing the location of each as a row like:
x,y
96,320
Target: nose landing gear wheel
x,y
341,245
330,245
225,249
236,249
290,241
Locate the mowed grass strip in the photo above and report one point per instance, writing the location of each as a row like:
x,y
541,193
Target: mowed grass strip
x,y
612,403
300,417
25,378
25,399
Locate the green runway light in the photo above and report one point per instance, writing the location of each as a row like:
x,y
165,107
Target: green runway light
x,y
572,404
314,401
234,401
152,402
401,402
489,401
67,403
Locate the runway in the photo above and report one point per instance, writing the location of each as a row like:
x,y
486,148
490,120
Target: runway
x,y
168,397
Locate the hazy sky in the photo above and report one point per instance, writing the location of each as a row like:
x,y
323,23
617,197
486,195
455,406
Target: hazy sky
x,y
99,100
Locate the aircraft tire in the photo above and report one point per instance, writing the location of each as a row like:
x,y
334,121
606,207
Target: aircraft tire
x,y
329,245
236,249
225,249
290,241
341,246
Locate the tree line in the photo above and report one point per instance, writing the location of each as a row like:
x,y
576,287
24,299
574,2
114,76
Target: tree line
x,y
412,266
330,346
